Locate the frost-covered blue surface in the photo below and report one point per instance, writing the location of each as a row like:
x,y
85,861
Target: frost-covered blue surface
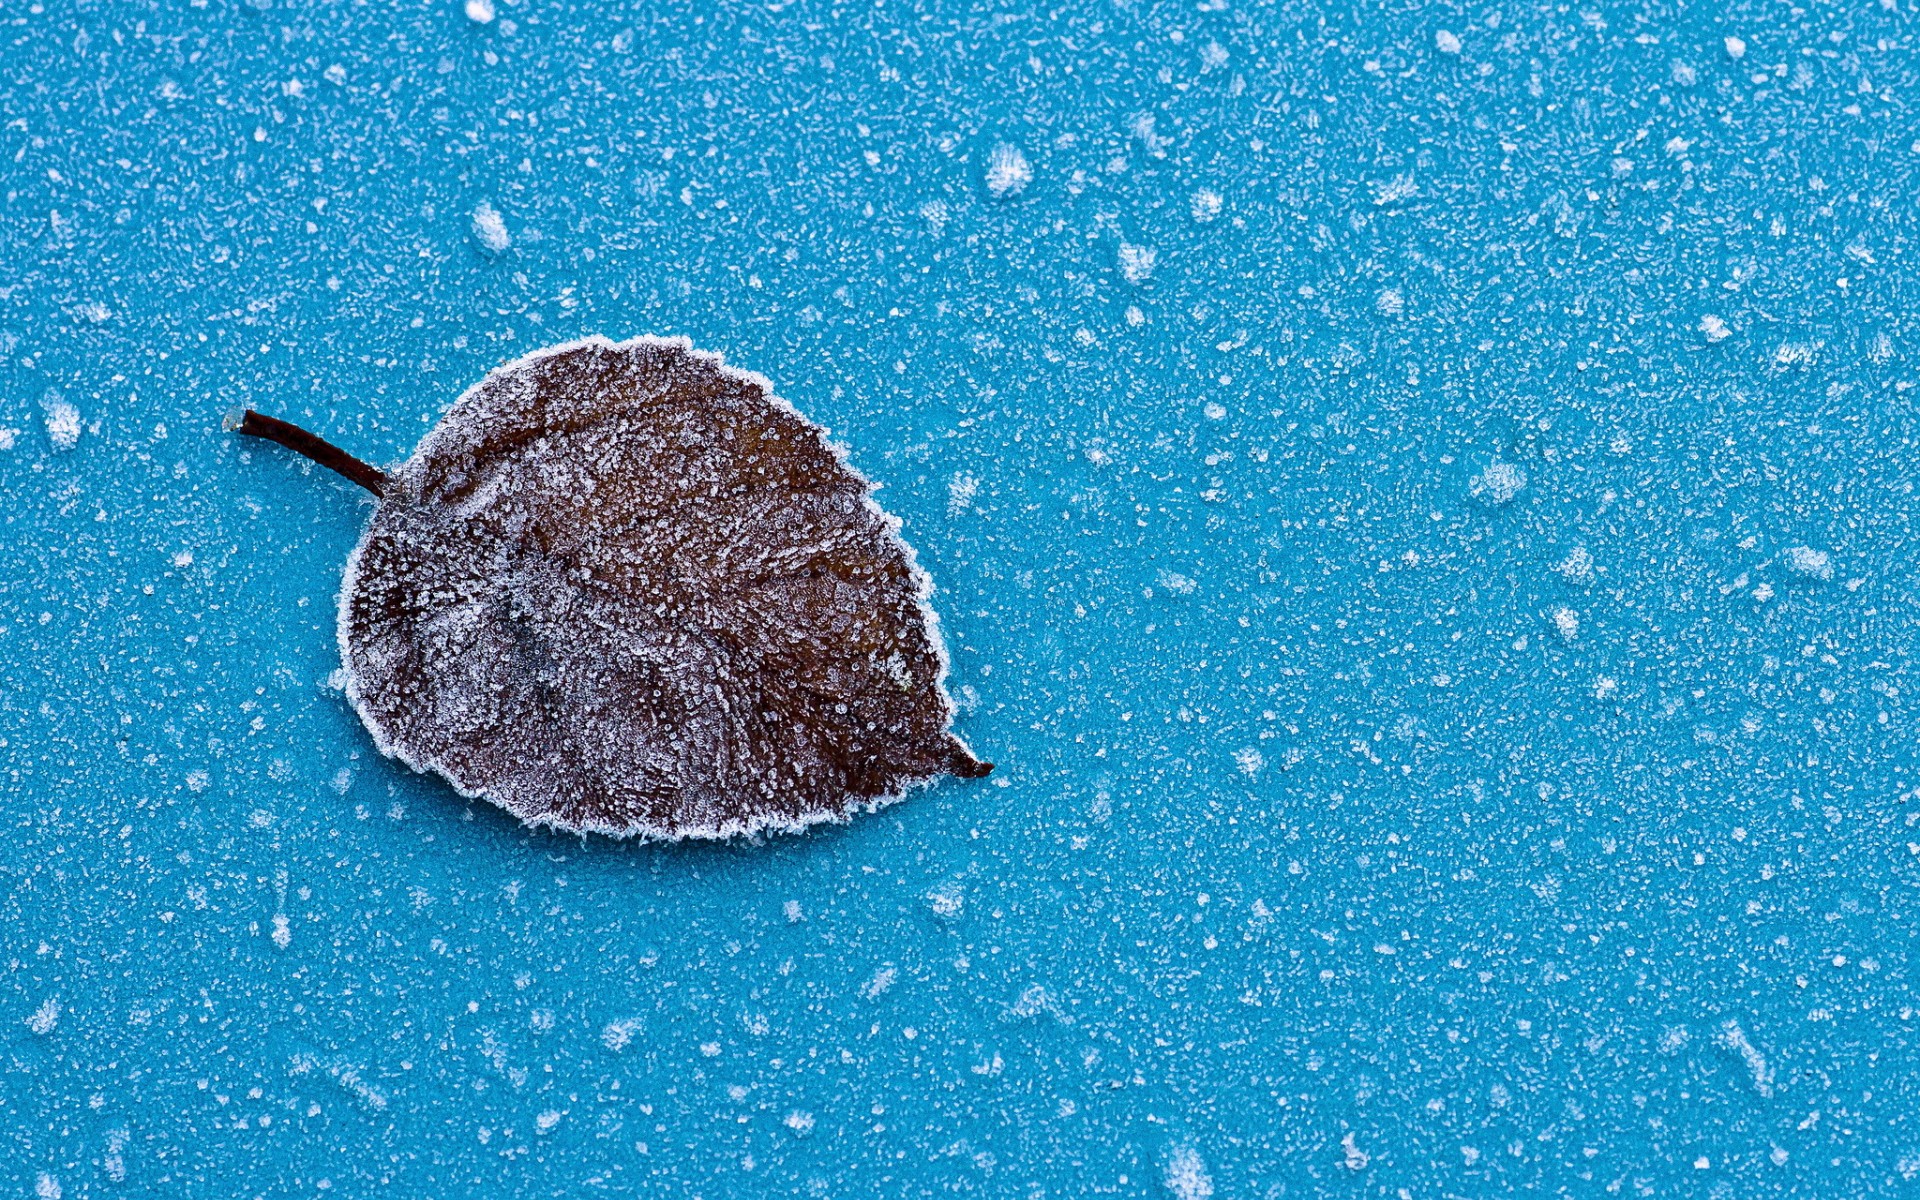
x,y
1422,505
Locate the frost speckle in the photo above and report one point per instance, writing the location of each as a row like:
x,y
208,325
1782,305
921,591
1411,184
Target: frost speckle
x,y
948,899
62,421
1178,584
490,228
1805,560
1008,173
44,1018
1577,566
961,490
1796,355
1566,623
1137,262
1205,205
1758,1069
1186,1175
1498,484
1397,190
1353,1157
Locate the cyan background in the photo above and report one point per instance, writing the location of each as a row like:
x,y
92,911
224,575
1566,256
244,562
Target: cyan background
x,y
1494,910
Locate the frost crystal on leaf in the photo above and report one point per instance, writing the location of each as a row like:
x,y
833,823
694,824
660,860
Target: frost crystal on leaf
x,y
622,588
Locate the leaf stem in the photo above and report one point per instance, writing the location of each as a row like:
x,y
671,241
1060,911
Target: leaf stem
x,y
298,440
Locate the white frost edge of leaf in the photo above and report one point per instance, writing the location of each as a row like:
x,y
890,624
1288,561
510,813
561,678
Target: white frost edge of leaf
x,y
923,596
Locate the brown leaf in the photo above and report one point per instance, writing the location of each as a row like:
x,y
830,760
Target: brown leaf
x,y
623,588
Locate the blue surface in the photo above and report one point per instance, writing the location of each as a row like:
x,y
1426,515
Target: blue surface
x,y
1319,861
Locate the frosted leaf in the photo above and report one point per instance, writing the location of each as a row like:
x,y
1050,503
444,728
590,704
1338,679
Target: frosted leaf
x,y
489,228
1805,560
1714,328
1736,47
1390,302
1446,42
1499,483
1007,172
480,12
622,588
1206,205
